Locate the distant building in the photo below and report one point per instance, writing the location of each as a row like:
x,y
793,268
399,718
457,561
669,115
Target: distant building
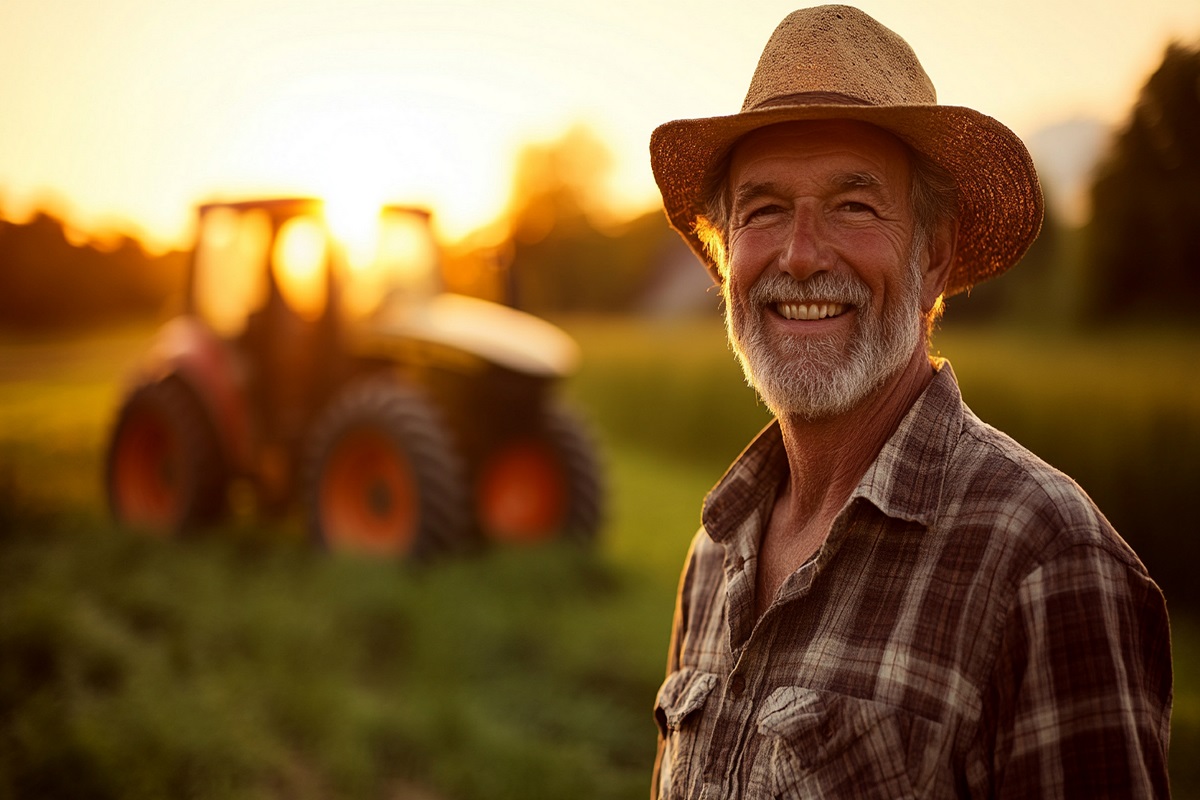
x,y
679,286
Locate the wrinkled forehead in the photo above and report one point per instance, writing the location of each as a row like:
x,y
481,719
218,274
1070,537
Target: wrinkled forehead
x,y
814,144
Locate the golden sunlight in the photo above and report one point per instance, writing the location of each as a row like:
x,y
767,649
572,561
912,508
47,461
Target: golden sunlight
x,y
360,141
390,254
429,102
298,264
228,282
353,217
407,248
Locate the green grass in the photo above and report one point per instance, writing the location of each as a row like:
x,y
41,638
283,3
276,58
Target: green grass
x,y
243,664
219,669
247,665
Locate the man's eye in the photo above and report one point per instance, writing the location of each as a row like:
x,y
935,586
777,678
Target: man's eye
x,y
761,212
855,207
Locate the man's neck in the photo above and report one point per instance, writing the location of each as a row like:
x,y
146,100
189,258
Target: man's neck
x,y
826,460
828,457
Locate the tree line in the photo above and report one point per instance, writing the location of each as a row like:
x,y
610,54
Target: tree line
x,y
47,281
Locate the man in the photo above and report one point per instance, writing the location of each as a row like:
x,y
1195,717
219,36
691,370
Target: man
x,y
887,598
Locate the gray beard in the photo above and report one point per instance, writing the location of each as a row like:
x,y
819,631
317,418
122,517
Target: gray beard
x,y
817,378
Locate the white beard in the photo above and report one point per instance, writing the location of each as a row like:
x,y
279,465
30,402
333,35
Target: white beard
x,y
816,377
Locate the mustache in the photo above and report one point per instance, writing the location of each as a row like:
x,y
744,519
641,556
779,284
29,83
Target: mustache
x,y
779,287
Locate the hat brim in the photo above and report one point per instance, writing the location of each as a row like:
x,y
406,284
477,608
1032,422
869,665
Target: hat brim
x,y
1000,203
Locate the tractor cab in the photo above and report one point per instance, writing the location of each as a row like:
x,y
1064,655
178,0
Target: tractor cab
x,y
283,253
272,279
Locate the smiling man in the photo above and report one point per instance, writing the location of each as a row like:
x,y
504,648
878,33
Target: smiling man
x,y
887,597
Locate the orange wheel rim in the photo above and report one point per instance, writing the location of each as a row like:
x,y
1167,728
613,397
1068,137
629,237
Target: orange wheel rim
x,y
368,500
147,467
523,493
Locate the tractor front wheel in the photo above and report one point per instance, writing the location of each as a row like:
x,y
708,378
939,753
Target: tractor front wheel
x,y
383,476
164,473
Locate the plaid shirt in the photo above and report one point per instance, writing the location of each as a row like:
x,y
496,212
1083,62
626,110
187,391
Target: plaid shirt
x,y
972,627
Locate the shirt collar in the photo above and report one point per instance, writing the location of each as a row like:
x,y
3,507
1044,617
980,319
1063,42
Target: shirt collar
x,y
904,481
748,486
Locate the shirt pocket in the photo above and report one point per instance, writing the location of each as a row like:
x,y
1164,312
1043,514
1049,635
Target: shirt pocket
x,y
822,744
677,712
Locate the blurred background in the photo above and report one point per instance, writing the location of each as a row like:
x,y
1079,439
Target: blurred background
x,y
246,663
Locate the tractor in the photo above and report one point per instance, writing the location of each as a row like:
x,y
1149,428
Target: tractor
x,y
404,420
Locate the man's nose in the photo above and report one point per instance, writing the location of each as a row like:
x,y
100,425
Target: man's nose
x,y
805,253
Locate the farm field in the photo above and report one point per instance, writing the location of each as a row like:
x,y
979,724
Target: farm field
x,y
242,663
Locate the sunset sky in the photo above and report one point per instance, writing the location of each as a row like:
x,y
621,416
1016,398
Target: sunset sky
x,y
125,113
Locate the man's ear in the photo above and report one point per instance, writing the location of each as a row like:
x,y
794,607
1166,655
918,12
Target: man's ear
x,y
940,252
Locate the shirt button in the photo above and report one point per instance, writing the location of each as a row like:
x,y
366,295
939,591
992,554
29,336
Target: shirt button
x,y
737,685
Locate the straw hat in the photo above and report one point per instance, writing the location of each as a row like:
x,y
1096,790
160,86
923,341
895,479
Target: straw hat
x,y
835,62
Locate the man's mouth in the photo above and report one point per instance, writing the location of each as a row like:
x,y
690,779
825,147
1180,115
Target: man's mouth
x,y
809,311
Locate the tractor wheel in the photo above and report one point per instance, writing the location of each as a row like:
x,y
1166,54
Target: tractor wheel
x,y
164,471
541,486
383,476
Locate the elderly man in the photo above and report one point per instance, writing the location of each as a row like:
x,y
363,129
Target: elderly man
x,y
887,598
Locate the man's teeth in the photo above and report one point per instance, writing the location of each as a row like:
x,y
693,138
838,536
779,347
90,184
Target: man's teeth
x,y
809,310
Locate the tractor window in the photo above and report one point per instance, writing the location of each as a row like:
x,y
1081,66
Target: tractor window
x,y
298,264
404,267
228,280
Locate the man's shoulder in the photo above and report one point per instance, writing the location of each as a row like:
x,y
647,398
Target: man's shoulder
x,y
997,486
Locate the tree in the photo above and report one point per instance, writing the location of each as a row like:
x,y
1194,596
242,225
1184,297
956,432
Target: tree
x,y
46,281
1142,246
565,256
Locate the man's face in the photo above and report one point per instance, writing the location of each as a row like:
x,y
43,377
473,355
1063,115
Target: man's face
x,y
823,293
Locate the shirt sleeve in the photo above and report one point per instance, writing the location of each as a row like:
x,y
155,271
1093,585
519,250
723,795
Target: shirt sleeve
x,y
1080,700
678,631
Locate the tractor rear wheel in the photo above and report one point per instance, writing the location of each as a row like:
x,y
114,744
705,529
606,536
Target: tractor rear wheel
x,y
163,471
541,485
383,477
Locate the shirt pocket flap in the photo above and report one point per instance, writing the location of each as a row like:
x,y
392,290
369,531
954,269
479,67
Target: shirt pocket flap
x,y
828,738
683,692
789,709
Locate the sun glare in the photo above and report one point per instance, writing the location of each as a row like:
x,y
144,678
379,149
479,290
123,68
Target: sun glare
x,y
390,255
361,141
298,264
353,217
407,249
